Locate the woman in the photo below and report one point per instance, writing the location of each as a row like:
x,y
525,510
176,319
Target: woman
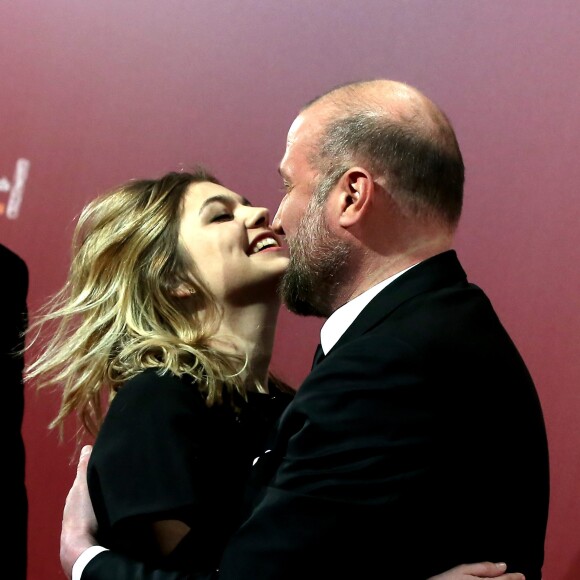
x,y
170,307
169,312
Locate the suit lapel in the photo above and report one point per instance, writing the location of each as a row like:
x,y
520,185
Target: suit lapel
x,y
318,356
432,274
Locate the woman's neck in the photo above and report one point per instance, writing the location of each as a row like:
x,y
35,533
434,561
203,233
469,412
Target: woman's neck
x,y
250,330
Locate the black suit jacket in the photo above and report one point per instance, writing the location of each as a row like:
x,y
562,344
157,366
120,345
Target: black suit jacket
x,y
416,444
14,290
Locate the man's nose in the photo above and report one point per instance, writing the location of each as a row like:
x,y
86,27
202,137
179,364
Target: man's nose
x,y
277,221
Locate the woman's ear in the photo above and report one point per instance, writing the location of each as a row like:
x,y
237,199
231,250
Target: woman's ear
x,y
183,291
356,188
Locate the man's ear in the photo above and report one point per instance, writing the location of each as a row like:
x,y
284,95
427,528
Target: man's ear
x,y
356,187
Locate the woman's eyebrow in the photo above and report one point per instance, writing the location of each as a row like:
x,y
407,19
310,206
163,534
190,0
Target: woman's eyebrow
x,y
226,199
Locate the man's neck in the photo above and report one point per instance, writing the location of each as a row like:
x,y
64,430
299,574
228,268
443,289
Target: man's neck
x,y
374,268
341,319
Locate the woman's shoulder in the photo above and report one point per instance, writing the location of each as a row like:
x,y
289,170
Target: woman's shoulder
x,y
269,405
277,387
156,384
151,398
153,376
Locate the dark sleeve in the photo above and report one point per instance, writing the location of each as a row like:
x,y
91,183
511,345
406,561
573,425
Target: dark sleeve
x,y
335,467
14,293
13,323
341,470
145,465
145,461
108,565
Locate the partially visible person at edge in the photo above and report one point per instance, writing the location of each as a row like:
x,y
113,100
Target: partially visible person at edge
x,y
14,320
380,466
169,312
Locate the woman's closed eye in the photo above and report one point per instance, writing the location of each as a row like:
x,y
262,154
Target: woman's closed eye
x,y
221,217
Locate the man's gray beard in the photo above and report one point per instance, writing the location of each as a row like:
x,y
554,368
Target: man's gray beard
x,y
317,260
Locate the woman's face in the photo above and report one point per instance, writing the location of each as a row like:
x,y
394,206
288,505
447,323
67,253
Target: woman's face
x,y
231,242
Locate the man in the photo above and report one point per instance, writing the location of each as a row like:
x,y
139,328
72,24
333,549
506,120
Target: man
x,y
382,464
14,293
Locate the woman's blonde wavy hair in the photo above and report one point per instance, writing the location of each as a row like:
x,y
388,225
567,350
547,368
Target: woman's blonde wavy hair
x,y
118,312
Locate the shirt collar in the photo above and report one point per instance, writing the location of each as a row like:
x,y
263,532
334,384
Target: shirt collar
x,y
341,319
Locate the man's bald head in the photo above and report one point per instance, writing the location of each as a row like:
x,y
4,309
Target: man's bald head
x,y
398,134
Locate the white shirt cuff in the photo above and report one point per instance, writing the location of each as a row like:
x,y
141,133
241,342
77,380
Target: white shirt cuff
x,y
84,559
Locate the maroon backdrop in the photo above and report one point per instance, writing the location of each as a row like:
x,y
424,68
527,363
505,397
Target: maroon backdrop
x,y
94,93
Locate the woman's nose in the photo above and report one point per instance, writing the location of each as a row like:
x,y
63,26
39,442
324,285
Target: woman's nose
x,y
259,216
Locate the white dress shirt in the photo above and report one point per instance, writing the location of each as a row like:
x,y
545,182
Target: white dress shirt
x,y
84,559
342,318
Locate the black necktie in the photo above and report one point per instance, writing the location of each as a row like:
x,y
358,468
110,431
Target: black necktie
x,y
318,356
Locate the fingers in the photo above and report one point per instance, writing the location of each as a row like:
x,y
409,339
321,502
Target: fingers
x,y
78,510
491,570
484,569
79,524
84,460
479,570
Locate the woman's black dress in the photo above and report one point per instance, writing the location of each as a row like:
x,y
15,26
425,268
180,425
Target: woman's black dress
x,y
163,454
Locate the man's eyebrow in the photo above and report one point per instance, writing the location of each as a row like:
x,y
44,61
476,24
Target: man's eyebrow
x,y
227,199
